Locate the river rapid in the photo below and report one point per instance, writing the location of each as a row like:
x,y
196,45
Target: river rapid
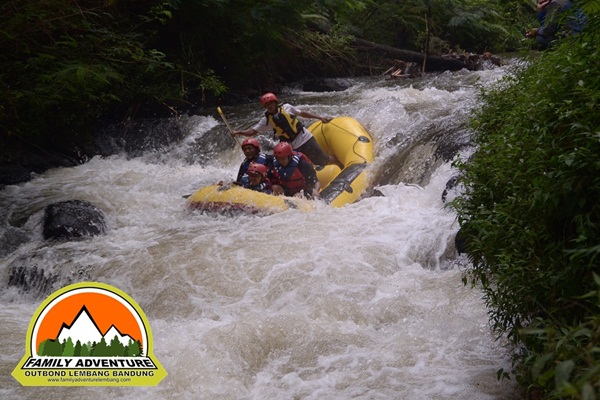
x,y
364,301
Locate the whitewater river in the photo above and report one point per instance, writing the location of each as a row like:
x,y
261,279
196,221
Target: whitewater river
x,y
360,302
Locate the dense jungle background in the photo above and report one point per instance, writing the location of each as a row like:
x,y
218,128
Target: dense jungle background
x,y
529,213
67,66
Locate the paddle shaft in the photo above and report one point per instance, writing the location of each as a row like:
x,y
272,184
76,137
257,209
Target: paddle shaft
x,y
227,125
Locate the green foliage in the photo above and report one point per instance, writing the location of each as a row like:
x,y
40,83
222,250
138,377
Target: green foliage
x,y
134,349
68,348
473,25
77,349
85,349
100,349
391,22
567,365
64,65
470,24
51,347
531,218
116,347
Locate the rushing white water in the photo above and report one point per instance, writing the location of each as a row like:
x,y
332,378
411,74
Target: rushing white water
x,y
364,301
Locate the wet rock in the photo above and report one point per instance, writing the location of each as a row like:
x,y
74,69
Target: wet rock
x,y
137,137
73,219
13,174
19,168
37,275
326,85
11,239
451,184
31,279
460,242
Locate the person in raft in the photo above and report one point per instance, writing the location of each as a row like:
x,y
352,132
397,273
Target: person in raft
x,y
283,120
257,178
251,149
292,173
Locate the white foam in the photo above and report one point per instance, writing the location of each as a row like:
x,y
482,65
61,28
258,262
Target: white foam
x,y
363,301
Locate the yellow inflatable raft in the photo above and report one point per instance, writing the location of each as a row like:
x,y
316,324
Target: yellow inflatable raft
x,y
233,199
343,137
350,143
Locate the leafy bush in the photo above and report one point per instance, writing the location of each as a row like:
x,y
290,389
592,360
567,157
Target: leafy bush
x,y
473,25
65,63
531,219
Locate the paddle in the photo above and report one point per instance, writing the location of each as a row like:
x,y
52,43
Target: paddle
x,y
227,124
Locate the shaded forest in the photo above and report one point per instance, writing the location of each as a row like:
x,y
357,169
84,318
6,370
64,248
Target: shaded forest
x,y
67,66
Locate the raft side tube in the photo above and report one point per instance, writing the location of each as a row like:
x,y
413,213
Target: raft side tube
x,y
236,198
327,174
343,183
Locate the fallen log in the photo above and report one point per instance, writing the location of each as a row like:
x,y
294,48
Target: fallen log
x,y
434,63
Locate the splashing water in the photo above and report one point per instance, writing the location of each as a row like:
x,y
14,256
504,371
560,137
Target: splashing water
x,y
364,301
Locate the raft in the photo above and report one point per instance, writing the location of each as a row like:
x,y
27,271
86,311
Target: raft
x,y
343,137
231,199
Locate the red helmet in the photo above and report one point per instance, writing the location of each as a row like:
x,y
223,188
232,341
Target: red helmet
x,y
283,149
267,98
256,168
252,142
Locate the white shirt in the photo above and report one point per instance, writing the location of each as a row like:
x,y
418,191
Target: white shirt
x,y
263,126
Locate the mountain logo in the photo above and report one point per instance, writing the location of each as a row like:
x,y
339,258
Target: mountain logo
x,y
89,334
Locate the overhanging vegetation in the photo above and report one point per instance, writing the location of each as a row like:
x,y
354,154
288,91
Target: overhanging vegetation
x,y
531,219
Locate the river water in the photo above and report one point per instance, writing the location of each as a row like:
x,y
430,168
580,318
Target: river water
x,y
364,301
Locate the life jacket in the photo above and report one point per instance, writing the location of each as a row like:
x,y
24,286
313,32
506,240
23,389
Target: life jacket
x,y
303,156
264,159
264,187
285,126
289,177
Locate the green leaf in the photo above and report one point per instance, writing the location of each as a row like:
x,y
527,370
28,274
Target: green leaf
x,y
563,372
